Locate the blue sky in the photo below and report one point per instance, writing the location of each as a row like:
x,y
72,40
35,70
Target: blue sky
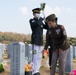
x,y
15,14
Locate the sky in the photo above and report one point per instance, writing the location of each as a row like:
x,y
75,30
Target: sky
x,y
15,14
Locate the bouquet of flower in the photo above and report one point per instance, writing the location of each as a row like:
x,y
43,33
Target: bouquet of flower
x,y
45,54
2,67
28,67
43,6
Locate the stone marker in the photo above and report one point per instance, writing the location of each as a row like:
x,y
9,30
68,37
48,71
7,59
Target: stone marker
x,y
69,61
28,53
17,58
1,51
74,52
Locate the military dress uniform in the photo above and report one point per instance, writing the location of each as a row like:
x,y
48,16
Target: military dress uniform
x,y
37,25
57,39
48,47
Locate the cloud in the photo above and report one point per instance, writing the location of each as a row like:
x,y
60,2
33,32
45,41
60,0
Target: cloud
x,y
56,10
23,10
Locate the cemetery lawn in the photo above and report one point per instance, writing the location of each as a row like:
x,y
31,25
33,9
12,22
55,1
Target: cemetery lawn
x,y
43,71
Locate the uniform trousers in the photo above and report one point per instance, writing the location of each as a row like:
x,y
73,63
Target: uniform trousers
x,y
50,56
62,59
37,58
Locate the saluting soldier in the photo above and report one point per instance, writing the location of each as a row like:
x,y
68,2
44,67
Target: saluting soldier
x,y
37,24
57,40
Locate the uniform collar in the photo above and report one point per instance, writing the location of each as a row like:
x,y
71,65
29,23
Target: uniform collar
x,y
37,18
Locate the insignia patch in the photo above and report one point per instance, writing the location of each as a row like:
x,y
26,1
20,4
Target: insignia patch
x,y
58,31
33,20
64,32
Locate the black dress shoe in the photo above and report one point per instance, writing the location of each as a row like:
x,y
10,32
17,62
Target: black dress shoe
x,y
37,73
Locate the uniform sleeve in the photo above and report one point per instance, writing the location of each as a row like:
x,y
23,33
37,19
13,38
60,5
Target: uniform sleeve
x,y
33,22
47,44
45,26
63,37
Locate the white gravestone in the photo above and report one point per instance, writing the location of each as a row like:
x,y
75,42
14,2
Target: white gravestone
x,y
74,52
9,50
17,58
1,51
69,61
28,53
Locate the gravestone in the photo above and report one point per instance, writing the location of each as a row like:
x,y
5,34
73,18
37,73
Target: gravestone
x,y
0,54
1,51
9,50
2,47
28,53
17,58
74,52
69,61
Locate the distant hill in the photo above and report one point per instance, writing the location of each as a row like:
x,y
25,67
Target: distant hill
x,y
8,37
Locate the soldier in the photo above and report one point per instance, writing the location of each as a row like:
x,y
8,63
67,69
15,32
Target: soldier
x,y
47,46
37,24
57,40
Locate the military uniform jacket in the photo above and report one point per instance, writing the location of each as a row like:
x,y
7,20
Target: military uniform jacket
x,y
37,26
56,38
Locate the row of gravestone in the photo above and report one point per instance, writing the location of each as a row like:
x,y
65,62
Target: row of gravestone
x,y
21,54
28,52
2,46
